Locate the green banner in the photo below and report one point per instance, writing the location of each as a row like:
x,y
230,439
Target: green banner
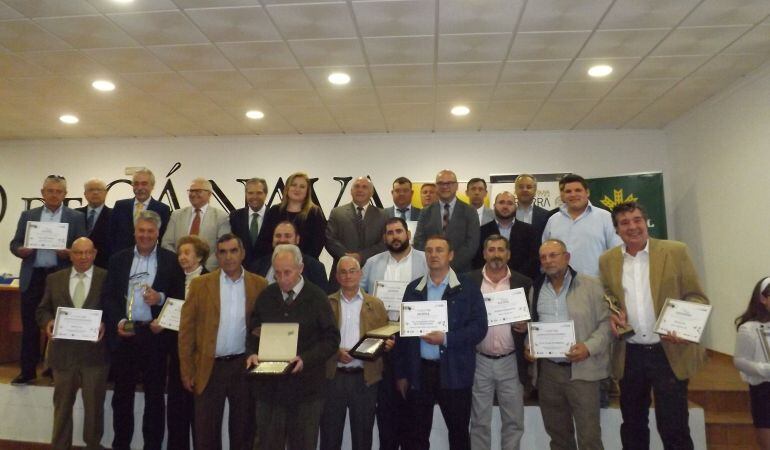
x,y
645,188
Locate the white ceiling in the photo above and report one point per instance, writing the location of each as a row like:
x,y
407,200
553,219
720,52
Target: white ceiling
x,y
194,67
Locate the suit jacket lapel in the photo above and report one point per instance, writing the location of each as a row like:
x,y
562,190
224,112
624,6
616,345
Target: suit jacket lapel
x,y
616,278
91,299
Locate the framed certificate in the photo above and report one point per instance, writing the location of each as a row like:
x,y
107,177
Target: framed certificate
x,y
171,314
77,324
506,307
46,235
551,339
419,318
687,319
391,293
764,337
277,347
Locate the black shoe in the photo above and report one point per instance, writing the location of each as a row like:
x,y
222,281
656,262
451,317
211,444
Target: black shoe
x,y
21,380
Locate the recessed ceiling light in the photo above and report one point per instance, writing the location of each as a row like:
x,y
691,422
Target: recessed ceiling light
x,y
339,78
69,119
255,114
123,1
103,85
460,110
599,71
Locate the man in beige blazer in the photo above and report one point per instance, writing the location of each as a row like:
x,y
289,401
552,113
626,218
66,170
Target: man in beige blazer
x,y
641,274
200,219
212,346
76,364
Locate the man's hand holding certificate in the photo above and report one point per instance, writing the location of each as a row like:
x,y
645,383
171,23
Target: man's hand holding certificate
x,y
682,319
46,235
506,307
422,318
551,339
77,324
171,314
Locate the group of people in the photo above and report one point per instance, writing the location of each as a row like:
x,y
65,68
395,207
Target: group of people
x,y
259,265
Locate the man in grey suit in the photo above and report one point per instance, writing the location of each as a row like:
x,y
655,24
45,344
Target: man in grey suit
x,y
36,265
199,219
355,229
451,218
76,364
402,201
476,190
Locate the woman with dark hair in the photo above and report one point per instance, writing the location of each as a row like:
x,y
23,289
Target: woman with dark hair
x,y
297,207
752,361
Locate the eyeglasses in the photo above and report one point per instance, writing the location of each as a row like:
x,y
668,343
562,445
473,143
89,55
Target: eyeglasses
x,y
445,183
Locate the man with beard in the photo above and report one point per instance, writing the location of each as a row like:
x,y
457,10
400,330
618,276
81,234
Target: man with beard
x,y
521,237
401,263
526,209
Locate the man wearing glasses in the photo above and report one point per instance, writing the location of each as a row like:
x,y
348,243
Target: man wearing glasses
x,y
198,219
37,264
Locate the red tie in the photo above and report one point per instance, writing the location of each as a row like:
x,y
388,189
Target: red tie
x,y
195,228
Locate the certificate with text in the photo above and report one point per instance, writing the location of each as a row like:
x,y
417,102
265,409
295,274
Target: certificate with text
x,y
551,339
77,324
46,235
391,293
686,319
171,314
506,307
420,318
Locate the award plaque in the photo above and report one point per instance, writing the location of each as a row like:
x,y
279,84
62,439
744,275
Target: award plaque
x,y
626,331
277,347
764,337
368,348
128,325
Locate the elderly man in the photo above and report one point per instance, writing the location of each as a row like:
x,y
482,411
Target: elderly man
x,y
139,280
199,219
355,229
212,346
353,385
501,368
428,194
36,265
246,223
312,269
453,219
289,407
97,216
121,226
527,211
76,364
402,200
568,387
641,274
476,190
439,366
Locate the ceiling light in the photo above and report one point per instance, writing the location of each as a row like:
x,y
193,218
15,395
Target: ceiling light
x,y
460,110
255,114
599,71
123,1
339,78
69,119
103,85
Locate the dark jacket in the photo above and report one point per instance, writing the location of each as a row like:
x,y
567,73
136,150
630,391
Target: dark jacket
x,y
99,234
121,226
524,248
313,270
311,230
239,225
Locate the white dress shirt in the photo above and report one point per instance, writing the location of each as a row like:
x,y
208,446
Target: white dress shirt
x,y
89,275
203,209
260,216
399,270
640,310
231,334
350,325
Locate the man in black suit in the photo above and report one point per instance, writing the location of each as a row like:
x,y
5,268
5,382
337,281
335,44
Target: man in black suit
x,y
36,265
97,216
522,237
120,233
402,194
527,211
139,280
286,233
246,223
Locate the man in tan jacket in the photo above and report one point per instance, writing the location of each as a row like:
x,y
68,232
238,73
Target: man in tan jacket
x,y
212,347
353,382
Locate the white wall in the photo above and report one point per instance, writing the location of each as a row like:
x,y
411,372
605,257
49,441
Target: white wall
x,y
720,167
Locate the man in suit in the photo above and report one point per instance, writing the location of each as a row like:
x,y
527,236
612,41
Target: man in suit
x,y
353,382
289,407
641,274
246,223
199,219
451,218
97,216
521,236
312,269
439,366
527,211
402,194
36,265
139,280
428,194
76,364
476,190
120,233
212,346
568,386
355,229
501,368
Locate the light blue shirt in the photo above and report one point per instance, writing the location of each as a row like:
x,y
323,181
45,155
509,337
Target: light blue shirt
x,y
142,275
525,214
47,258
435,292
97,212
552,307
587,237
231,334
505,231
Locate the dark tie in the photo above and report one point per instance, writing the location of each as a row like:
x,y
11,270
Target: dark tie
x,y
196,223
360,225
91,220
446,217
254,228
289,297
360,210
402,212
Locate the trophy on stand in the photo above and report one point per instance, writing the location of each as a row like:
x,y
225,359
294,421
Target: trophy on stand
x,y
128,325
625,331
